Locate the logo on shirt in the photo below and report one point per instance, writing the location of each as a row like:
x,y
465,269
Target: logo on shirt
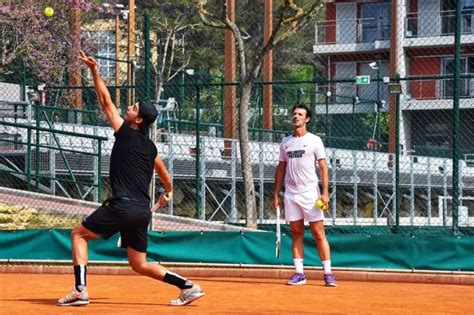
x,y
295,154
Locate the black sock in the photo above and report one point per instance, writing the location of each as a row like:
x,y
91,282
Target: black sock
x,y
80,272
177,280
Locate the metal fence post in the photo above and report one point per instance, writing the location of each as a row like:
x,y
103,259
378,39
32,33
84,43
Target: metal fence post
x,y
261,167
445,193
171,167
37,151
375,188
355,180
233,177
202,167
52,165
328,129
99,170
334,186
198,153
28,158
412,191
456,115
397,158
147,58
95,164
428,193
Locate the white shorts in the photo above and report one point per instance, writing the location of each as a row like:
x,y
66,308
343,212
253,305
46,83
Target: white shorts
x,y
302,206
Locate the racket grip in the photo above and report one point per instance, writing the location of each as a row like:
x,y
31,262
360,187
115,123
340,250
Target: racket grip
x,y
164,199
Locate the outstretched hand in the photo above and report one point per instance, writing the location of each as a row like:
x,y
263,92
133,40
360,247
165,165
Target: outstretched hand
x,y
90,62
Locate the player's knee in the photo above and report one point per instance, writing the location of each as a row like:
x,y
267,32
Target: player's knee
x,y
75,233
137,266
319,236
297,233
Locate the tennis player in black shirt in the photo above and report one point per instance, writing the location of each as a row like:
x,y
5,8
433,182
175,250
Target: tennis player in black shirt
x,y
134,156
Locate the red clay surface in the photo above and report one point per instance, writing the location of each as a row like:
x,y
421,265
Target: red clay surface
x,y
133,294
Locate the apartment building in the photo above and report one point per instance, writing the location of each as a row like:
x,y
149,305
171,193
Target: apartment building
x,y
355,39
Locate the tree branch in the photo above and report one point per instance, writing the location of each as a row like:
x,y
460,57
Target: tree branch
x,y
171,57
208,18
297,21
181,68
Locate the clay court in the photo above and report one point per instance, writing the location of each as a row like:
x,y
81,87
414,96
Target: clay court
x,y
132,294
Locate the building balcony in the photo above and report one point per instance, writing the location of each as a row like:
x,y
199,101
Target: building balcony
x,y
436,28
436,93
419,94
422,29
349,35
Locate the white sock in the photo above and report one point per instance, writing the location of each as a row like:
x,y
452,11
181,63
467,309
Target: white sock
x,y
327,266
298,265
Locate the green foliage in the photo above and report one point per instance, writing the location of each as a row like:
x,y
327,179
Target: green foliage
x,y
369,120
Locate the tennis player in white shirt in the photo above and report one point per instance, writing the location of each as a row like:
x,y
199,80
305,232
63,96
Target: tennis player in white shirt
x,y
299,154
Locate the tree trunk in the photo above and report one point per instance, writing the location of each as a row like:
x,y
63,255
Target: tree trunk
x,y
249,187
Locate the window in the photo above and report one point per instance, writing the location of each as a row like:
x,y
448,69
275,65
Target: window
x,y
448,24
467,84
345,90
375,21
437,133
104,41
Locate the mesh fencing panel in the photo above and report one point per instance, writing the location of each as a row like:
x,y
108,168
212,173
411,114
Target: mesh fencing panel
x,y
344,66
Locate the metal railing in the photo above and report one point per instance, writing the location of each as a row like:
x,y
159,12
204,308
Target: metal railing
x,y
348,31
437,23
439,87
39,159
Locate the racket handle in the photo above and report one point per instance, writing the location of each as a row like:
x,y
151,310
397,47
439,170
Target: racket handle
x,y
164,199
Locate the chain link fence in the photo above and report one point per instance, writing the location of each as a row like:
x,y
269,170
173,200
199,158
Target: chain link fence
x,y
344,66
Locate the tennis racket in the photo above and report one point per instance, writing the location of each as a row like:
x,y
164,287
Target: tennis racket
x,y
164,199
278,234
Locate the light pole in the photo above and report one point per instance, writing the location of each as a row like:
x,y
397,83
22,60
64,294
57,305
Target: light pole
x,y
377,66
328,128
378,101
355,101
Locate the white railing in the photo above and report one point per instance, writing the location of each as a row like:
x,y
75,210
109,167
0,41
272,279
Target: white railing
x,y
437,23
347,31
436,88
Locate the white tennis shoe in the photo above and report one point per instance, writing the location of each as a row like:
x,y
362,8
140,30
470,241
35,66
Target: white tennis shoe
x,y
75,298
188,295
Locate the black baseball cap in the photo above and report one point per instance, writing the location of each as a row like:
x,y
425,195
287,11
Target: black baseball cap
x,y
147,111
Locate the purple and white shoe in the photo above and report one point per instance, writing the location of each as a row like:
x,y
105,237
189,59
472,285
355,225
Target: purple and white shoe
x,y
297,279
330,280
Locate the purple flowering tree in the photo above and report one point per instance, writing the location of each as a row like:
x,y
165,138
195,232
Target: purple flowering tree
x,y
47,46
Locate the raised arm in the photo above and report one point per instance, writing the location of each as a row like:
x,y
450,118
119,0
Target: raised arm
x,y
103,94
279,176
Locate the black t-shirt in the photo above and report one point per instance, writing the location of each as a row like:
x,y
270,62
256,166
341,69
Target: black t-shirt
x,y
131,164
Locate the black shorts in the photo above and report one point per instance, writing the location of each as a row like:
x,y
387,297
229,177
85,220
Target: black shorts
x,y
129,218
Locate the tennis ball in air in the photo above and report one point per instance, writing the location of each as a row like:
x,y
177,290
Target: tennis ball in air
x,y
48,12
321,205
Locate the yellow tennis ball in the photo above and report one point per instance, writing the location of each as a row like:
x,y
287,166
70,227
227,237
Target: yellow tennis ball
x,y
321,205
48,12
